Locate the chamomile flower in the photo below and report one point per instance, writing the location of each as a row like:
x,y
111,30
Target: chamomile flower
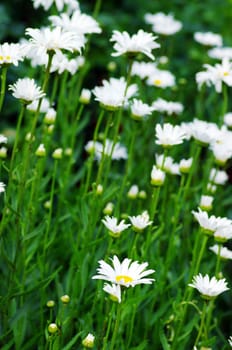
x,y
167,164
227,118
140,222
115,228
206,202
127,273
60,4
169,135
11,54
161,79
78,22
114,93
230,341
141,42
185,165
163,24
2,187
157,176
26,90
88,341
220,53
218,177
209,288
140,110
143,69
223,234
47,40
216,75
168,107
208,38
224,252
3,139
61,63
114,290
210,223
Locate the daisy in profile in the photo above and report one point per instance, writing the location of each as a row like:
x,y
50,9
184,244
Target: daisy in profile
x,y
230,341
210,224
157,176
11,54
114,291
168,135
141,42
163,24
47,40
168,107
26,90
220,53
208,38
139,109
140,222
2,187
77,22
60,4
114,93
161,79
209,288
224,252
115,228
216,75
127,273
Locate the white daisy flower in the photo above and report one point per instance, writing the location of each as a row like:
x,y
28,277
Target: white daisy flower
x,y
44,107
224,252
139,110
167,164
114,290
11,54
218,177
230,341
143,69
26,90
209,288
223,234
169,107
60,4
111,94
228,119
185,165
78,22
210,223
141,42
206,202
202,131
127,273
47,40
115,228
208,38
169,135
220,53
2,187
163,24
140,222
61,63
3,139
216,75
161,79
157,176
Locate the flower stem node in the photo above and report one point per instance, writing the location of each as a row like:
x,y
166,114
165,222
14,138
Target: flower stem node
x,y
88,342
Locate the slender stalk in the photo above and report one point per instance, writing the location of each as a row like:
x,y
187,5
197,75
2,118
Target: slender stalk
x,y
3,85
116,327
202,325
106,337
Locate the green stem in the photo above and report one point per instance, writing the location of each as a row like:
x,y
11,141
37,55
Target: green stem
x,y
3,85
218,260
116,327
108,327
202,325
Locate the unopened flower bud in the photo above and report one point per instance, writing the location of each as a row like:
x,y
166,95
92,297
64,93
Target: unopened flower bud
x,y
65,299
142,194
88,342
3,152
52,328
85,96
133,192
99,189
157,176
58,153
41,151
185,165
206,203
108,208
50,303
50,116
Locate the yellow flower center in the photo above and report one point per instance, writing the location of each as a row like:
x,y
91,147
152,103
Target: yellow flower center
x,y
125,279
226,74
8,58
157,82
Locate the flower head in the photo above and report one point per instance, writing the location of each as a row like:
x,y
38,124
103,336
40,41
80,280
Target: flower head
x,y
114,290
60,4
114,93
224,252
26,90
163,24
11,54
2,187
208,38
141,42
157,176
88,342
168,107
47,40
78,22
210,223
115,228
140,222
209,288
169,135
127,273
161,79
139,110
